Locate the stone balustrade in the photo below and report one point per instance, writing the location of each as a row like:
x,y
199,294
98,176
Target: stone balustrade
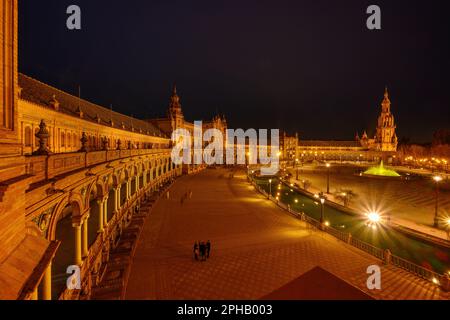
x,y
49,166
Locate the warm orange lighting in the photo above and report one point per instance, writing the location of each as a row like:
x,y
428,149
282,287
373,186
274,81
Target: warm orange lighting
x,y
437,178
374,217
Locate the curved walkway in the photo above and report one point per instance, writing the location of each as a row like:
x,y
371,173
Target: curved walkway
x,y
256,248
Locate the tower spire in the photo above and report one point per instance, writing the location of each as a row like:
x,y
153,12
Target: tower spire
x,y
174,89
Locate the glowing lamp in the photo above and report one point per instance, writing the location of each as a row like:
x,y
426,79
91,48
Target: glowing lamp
x,y
374,217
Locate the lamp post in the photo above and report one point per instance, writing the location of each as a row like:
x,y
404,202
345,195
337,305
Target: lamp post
x,y
270,188
328,178
296,172
322,202
437,179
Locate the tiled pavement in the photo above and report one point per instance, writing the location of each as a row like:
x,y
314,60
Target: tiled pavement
x,y
256,248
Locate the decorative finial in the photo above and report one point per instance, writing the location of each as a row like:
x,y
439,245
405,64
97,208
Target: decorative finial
x,y
386,93
84,142
42,135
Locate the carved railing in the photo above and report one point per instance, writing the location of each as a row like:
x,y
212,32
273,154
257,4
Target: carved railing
x,y
50,166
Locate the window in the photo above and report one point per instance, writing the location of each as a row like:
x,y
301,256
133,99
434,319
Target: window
x,y
63,139
28,137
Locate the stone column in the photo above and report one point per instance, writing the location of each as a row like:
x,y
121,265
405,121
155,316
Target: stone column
x,y
128,189
144,180
117,199
34,295
85,245
47,283
137,183
100,215
105,210
77,258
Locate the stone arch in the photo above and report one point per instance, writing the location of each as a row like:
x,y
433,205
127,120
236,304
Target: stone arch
x,y
115,178
74,200
91,186
102,186
61,228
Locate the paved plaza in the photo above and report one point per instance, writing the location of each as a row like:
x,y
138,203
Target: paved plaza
x,y
256,248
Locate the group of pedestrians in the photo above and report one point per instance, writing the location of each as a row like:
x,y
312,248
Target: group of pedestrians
x,y
202,250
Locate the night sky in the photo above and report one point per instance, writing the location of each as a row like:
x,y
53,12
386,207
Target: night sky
x,y
307,66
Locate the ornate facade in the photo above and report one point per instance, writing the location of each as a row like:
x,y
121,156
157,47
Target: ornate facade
x,y
72,174
382,146
175,120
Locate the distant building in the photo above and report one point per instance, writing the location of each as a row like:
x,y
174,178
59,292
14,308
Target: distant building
x,y
382,146
175,120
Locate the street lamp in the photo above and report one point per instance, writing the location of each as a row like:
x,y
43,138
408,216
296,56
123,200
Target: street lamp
x,y
328,177
437,179
296,165
374,217
270,188
322,202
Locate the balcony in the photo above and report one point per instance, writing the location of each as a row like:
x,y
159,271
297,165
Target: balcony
x,y
50,166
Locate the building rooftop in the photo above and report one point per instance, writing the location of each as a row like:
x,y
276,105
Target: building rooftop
x,y
318,284
42,94
330,143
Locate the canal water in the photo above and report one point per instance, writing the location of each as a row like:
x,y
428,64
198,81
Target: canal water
x,y
418,251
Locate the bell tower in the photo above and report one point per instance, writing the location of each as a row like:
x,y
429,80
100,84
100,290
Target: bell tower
x,y
175,113
386,138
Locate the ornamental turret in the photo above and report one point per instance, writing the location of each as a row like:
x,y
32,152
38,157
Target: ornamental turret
x,y
175,113
386,138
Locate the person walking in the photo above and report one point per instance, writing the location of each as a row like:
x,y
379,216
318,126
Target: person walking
x,y
202,251
196,251
208,248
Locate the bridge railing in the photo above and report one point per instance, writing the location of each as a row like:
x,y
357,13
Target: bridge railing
x,y
416,269
374,251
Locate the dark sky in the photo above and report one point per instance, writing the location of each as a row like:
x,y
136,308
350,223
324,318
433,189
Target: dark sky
x,y
308,66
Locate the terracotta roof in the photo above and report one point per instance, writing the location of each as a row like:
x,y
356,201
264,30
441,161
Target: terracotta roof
x,y
332,143
318,284
42,94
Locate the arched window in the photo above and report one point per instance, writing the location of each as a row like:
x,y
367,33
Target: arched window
x,y
69,141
